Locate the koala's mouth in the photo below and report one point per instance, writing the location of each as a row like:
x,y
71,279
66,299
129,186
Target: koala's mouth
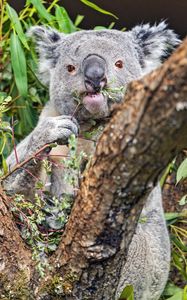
x,y
95,103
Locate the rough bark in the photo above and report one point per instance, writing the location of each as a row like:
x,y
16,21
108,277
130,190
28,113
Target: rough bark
x,y
143,135
15,257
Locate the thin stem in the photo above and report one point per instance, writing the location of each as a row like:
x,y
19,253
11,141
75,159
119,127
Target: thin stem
x,y
20,165
1,18
36,78
76,108
52,4
30,173
13,141
24,12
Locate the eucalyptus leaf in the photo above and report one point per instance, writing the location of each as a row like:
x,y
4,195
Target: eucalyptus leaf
x,y
3,95
182,171
184,297
42,10
4,164
111,25
177,262
176,296
99,28
64,22
55,222
78,20
183,200
16,24
172,216
178,243
52,247
27,115
171,289
18,62
99,9
128,293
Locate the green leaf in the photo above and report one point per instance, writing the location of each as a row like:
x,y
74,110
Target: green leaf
x,y
176,296
27,117
64,22
171,289
172,215
176,261
184,297
18,64
5,104
183,200
111,25
3,95
78,20
42,10
178,243
128,293
168,169
39,185
182,171
96,7
16,24
53,3
52,247
99,27
4,164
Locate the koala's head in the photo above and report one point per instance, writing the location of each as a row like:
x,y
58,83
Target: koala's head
x,y
90,67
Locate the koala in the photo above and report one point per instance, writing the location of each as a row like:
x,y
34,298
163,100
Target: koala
x,y
84,64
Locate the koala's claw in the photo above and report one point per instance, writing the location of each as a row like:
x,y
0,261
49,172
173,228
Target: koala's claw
x,y
70,124
66,133
56,129
68,118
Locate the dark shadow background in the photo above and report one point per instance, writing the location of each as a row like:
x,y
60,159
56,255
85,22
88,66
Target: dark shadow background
x,y
129,12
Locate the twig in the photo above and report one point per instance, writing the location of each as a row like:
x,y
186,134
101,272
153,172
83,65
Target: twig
x,y
76,109
30,173
13,141
20,165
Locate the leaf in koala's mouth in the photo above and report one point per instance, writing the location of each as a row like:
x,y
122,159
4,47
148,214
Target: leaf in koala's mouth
x,y
94,102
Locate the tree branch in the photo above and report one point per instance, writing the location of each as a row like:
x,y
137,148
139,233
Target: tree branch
x,y
32,157
144,134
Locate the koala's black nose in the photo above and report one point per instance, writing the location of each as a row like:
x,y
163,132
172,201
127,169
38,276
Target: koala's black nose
x,y
94,73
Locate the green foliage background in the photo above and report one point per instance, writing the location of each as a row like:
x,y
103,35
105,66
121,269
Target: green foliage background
x,y
18,68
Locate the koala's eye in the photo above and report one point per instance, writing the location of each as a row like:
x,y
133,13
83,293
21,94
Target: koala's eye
x,y
70,68
119,64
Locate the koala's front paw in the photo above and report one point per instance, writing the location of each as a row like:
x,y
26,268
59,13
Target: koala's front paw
x,y
54,129
60,128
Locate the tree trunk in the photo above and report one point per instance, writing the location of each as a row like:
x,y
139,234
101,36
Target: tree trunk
x,y
143,135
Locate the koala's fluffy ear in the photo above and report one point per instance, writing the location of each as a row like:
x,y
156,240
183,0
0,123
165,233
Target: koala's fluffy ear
x,y
47,41
154,43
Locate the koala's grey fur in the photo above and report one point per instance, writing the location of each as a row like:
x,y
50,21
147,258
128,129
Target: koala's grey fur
x,y
141,49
